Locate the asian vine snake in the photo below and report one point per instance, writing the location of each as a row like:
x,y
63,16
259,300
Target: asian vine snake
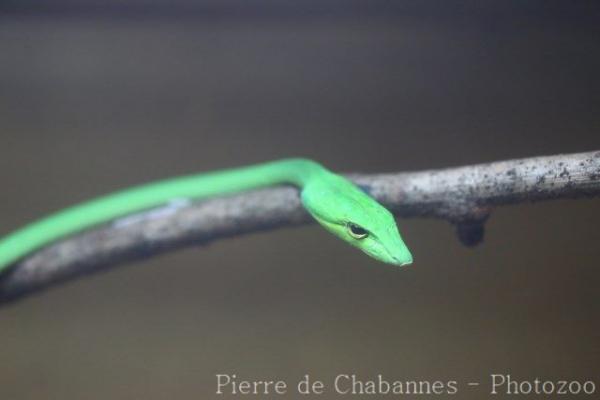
x,y
335,202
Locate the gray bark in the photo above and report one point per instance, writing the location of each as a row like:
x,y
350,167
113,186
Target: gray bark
x,y
465,196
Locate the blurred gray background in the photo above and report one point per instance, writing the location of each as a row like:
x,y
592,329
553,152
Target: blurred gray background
x,y
96,96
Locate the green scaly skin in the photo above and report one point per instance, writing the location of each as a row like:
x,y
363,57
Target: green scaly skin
x,y
336,203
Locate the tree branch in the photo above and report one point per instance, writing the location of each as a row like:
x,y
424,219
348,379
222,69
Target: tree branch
x,y
464,196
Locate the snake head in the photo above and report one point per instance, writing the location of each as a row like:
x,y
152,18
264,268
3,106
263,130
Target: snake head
x,y
355,217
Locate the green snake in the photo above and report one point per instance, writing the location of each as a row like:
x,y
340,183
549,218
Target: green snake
x,y
336,203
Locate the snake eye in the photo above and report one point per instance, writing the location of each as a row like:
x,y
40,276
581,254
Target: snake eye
x,y
357,232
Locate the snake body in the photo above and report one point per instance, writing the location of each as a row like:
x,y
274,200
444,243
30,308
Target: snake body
x,y
335,202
